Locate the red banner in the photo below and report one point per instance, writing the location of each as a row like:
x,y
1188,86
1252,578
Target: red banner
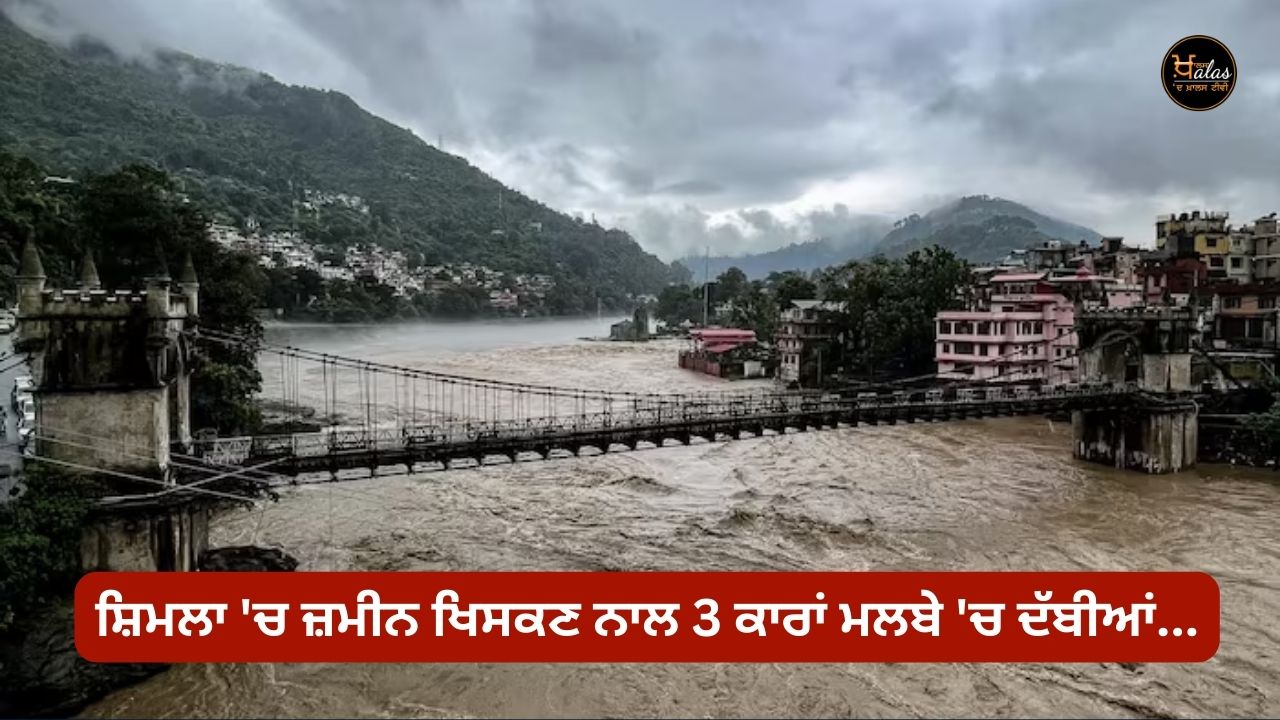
x,y
648,617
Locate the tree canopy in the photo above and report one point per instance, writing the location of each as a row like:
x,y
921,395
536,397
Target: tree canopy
x,y
134,224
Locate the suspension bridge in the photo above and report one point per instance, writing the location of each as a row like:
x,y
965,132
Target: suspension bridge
x,y
415,418
113,372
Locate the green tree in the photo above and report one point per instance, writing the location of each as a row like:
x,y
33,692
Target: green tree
x,y
890,306
790,285
136,223
679,303
40,534
731,285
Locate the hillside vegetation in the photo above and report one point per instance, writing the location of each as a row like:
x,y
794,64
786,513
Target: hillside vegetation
x,y
978,228
241,144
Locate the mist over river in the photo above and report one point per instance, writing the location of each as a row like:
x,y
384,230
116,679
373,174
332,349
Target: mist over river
x,y
997,494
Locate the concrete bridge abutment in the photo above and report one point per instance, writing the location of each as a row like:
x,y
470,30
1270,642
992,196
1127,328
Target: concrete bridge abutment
x,y
1148,348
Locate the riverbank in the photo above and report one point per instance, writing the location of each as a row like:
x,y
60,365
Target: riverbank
x,y
995,494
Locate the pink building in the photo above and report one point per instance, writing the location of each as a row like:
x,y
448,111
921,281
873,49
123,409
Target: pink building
x,y
723,352
1025,333
1024,330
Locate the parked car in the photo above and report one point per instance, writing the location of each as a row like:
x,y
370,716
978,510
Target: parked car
x,y
27,419
22,386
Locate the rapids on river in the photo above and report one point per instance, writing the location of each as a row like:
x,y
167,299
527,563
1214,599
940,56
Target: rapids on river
x,y
995,494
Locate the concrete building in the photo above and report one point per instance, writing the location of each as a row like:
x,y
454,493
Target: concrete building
x,y
1025,332
1189,234
1112,258
1238,265
1245,316
1266,249
1172,280
1051,254
503,300
803,329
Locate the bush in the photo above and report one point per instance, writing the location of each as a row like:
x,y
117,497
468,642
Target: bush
x,y
40,541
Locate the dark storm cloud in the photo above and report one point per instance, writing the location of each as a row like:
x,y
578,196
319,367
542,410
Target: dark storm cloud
x,y
592,41
744,124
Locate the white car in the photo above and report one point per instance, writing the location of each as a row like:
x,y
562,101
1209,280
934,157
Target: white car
x,y
27,420
21,388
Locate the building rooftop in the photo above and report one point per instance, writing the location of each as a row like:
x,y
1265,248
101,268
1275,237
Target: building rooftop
x,y
809,304
1019,277
723,334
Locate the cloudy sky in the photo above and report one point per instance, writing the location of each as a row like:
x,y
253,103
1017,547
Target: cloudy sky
x,y
746,124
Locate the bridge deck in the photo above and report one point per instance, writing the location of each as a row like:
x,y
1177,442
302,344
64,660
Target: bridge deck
x,y
339,449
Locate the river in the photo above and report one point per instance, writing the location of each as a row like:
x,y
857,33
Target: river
x,y
998,494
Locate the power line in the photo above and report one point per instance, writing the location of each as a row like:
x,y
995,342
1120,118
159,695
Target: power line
x,y
123,475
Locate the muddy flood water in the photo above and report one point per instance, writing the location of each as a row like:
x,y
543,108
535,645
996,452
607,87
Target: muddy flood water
x,y
1001,494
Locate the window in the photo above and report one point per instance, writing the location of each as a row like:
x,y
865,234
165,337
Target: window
x,y
984,328
1237,263
1215,261
946,348
982,350
1211,242
944,327
1230,302
1267,303
964,348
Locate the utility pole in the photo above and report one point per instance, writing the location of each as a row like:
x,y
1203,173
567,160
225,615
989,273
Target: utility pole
x,y
706,285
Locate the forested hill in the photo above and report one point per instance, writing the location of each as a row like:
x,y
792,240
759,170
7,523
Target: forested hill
x,y
979,228
242,145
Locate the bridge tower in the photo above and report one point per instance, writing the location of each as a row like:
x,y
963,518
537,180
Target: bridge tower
x,y
110,368
1149,348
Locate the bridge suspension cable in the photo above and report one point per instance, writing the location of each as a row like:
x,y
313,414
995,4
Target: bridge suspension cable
x,y
373,366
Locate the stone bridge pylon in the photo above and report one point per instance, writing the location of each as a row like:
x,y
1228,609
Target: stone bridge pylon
x,y
1150,348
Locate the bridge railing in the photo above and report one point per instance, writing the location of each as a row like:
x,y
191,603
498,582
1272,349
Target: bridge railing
x,y
631,415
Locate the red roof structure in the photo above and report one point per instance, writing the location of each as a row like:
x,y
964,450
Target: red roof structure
x,y
720,340
718,348
730,335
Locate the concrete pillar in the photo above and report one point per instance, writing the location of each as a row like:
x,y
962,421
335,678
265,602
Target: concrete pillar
x,y
146,539
1151,440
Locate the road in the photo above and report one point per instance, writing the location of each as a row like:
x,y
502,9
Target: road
x,y
9,441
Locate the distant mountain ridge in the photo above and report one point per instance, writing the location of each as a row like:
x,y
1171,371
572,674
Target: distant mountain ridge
x,y
978,228
804,257
850,239
944,226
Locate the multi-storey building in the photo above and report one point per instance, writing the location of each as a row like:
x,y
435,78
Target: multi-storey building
x,y
1239,261
1172,280
1112,258
804,327
1246,315
1025,333
1192,233
1266,249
